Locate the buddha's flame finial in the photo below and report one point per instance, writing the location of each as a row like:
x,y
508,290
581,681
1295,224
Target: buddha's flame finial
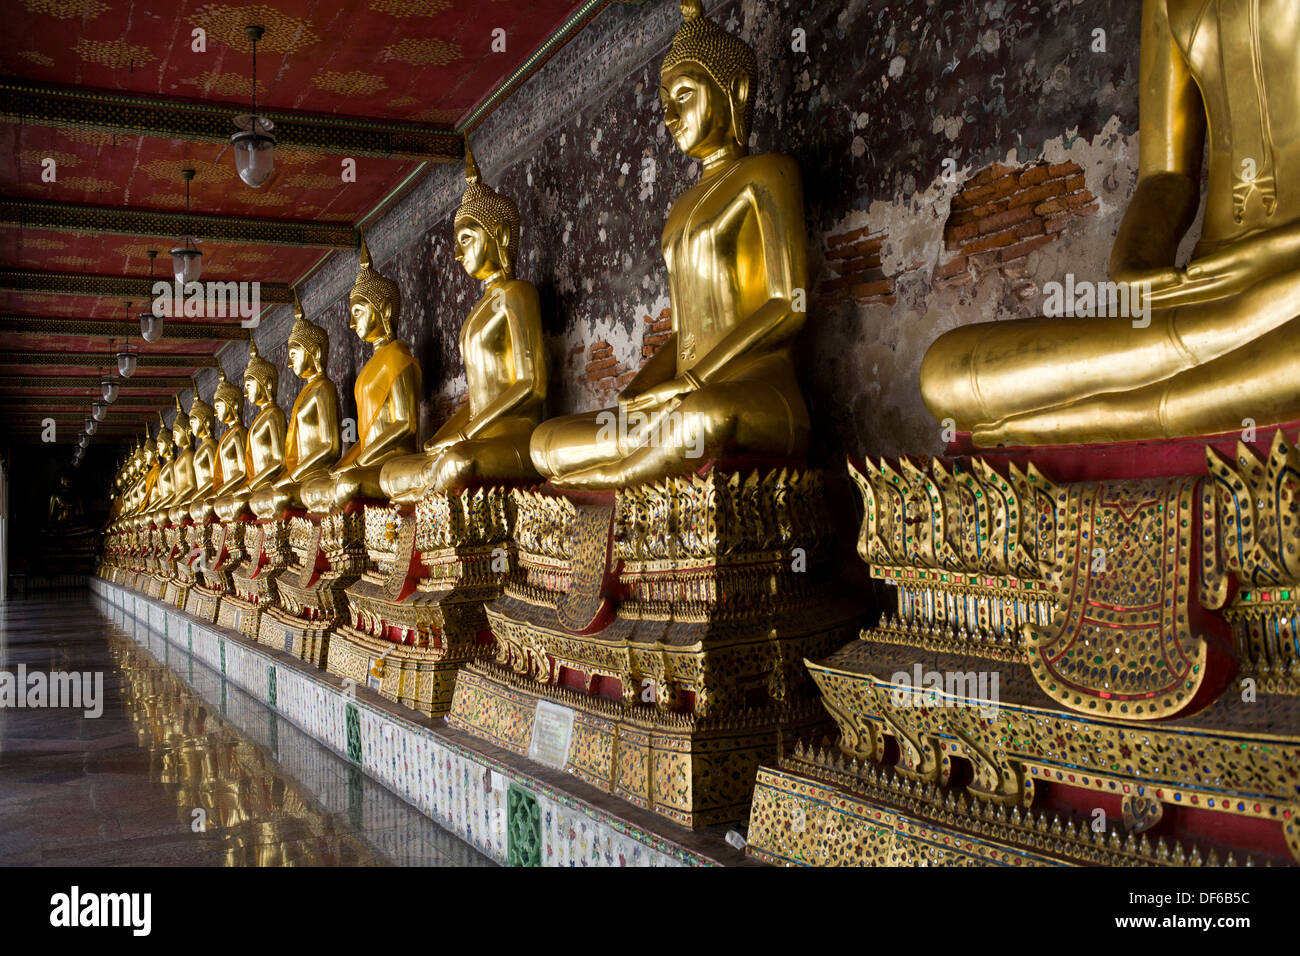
x,y
472,174
252,347
365,251
692,9
298,314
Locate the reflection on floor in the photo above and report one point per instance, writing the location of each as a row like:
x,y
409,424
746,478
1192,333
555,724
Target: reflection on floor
x,y
170,774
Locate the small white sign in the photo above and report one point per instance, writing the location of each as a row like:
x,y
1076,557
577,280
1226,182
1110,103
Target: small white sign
x,y
552,734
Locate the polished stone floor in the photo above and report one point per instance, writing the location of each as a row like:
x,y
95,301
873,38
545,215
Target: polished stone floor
x,y
178,772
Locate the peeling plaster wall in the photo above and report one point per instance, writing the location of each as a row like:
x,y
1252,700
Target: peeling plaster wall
x,y
885,93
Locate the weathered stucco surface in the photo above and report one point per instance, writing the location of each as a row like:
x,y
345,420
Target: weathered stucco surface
x,y
890,108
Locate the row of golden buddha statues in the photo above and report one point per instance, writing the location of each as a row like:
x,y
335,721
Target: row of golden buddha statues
x,y
672,584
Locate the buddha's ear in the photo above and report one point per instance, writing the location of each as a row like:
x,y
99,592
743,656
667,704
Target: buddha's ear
x,y
739,107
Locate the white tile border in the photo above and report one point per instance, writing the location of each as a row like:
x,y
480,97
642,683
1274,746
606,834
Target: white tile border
x,y
464,792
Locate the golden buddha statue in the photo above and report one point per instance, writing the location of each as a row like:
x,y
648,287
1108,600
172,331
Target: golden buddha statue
x,y
386,389
504,355
723,384
164,489
228,406
265,456
1216,344
313,441
147,483
207,469
183,480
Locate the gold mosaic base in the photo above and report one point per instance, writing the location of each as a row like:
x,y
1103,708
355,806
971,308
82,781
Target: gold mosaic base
x,y
284,632
202,603
820,808
695,773
415,677
239,615
175,594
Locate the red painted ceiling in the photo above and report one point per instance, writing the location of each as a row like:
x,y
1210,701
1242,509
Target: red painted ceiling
x,y
424,61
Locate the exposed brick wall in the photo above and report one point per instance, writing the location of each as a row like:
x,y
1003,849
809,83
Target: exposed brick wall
x,y
656,333
606,374
1004,213
853,263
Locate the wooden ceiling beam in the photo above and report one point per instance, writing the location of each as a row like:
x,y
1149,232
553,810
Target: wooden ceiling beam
x,y
37,383
118,287
119,328
129,221
46,104
96,359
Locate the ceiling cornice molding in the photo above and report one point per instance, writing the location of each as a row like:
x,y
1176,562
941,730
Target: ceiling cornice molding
x,y
119,328
522,73
46,104
140,287
36,383
130,221
96,360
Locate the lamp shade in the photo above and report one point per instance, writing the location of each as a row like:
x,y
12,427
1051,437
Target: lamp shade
x,y
98,409
254,149
127,359
151,326
187,263
108,388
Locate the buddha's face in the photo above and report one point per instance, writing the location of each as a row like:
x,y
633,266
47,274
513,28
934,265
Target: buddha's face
x,y
304,362
164,446
477,251
253,390
181,430
697,111
222,410
198,426
366,319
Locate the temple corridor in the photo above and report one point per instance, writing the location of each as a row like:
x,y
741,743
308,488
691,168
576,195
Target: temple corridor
x,y
181,768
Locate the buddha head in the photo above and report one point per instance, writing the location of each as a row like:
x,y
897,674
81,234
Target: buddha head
x,y
260,378
148,452
375,301
227,401
180,425
201,416
706,85
164,440
486,227
309,344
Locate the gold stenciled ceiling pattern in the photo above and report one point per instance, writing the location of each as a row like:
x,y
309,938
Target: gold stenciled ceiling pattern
x,y
368,62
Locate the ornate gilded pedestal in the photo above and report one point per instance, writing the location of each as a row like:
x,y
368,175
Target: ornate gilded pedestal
x,y
416,615
266,546
164,540
1079,669
670,621
202,551
329,555
178,559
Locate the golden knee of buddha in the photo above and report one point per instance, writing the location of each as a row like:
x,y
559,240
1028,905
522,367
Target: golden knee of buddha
x,y
230,476
505,367
723,385
1216,346
206,465
386,389
312,442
